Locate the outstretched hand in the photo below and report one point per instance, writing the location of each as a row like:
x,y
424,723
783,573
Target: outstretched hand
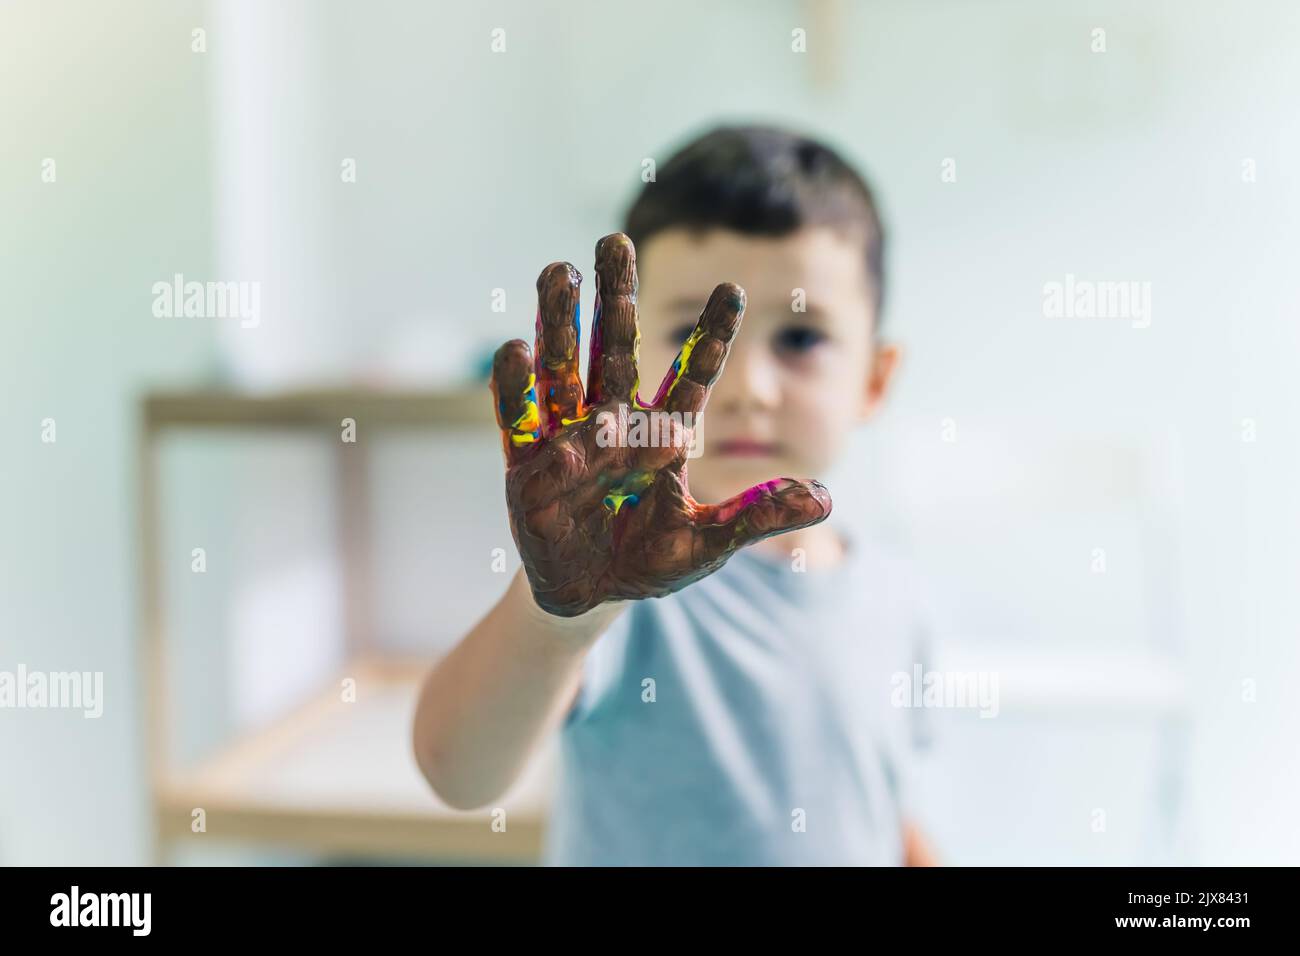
x,y
597,520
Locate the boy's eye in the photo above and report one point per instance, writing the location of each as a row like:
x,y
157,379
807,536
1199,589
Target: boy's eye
x,y
798,338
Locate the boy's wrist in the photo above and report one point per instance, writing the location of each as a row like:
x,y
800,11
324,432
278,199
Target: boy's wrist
x,y
567,633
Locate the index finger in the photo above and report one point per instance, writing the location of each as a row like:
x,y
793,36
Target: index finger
x,y
699,363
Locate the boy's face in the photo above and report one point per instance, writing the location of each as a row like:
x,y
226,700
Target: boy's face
x,y
795,382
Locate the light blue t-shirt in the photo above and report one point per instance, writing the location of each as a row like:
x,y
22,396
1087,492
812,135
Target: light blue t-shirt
x,y
747,720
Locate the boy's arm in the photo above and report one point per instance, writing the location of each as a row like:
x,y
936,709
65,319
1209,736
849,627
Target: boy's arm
x,y
483,709
917,849
599,518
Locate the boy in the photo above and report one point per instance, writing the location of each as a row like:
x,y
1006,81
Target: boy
x,y
742,717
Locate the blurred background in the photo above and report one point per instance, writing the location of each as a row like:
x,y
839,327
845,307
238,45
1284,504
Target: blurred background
x,y
1107,511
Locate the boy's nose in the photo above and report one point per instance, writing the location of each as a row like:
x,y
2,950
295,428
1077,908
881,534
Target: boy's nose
x,y
748,382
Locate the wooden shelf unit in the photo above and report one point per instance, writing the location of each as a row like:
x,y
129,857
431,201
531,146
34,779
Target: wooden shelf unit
x,y
331,776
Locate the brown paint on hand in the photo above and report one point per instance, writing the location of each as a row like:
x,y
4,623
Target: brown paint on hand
x,y
595,523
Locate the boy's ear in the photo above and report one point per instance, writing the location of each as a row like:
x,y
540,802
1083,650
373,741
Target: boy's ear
x,y
884,362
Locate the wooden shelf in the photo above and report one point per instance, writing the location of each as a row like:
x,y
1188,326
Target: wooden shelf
x,y
332,777
340,777
469,406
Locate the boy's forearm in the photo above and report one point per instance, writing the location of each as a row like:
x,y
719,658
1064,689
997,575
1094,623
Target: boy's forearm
x,y
917,849
486,705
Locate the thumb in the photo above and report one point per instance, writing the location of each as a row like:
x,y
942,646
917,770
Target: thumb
x,y
772,508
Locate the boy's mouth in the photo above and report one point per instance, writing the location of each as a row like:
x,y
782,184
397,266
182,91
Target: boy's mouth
x,y
745,448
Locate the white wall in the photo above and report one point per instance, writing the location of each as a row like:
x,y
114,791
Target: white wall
x,y
114,95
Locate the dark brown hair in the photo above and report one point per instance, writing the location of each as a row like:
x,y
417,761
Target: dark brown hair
x,y
759,181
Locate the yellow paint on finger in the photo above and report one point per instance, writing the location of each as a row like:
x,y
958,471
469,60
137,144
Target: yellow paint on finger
x,y
524,429
682,362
